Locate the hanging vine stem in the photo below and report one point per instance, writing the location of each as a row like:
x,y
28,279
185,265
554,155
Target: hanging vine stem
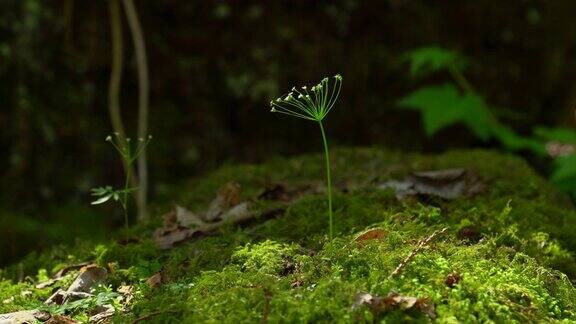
x,y
116,79
143,98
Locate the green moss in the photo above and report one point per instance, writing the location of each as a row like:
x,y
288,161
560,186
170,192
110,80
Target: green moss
x,y
512,247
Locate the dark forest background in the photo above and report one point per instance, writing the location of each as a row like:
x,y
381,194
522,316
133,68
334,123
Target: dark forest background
x,y
214,66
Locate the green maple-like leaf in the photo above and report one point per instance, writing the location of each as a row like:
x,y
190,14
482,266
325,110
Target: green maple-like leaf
x,y
562,135
444,105
514,142
564,175
430,59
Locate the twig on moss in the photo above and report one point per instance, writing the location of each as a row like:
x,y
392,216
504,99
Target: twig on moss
x,y
421,245
266,311
147,316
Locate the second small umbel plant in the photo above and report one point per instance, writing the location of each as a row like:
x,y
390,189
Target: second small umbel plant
x,y
313,104
129,153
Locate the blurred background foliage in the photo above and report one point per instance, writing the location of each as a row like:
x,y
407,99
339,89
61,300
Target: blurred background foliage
x,y
214,65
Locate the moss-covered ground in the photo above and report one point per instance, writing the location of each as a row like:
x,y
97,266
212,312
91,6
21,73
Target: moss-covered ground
x,y
507,254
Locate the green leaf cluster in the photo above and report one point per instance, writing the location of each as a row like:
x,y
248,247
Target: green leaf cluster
x,y
445,105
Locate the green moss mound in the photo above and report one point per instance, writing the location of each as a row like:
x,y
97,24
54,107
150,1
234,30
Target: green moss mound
x,y
507,254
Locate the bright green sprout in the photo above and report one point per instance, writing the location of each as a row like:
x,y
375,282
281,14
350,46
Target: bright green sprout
x,y
314,105
129,153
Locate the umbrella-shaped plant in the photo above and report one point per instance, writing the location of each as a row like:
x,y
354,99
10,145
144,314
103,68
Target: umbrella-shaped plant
x,y
313,104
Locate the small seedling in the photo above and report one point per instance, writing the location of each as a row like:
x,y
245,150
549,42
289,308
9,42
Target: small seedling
x,y
314,105
129,153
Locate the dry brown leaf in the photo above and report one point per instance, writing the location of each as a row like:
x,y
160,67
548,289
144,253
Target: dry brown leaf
x,y
452,279
28,316
174,233
275,192
155,280
372,234
395,301
446,184
128,292
228,196
102,314
61,319
167,238
60,274
89,277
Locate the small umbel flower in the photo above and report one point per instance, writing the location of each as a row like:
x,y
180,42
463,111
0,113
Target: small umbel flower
x,y
314,105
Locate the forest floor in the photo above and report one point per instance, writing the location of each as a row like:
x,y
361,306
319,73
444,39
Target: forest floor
x,y
482,238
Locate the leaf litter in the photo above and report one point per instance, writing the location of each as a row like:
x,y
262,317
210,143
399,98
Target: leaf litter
x,y
395,301
446,184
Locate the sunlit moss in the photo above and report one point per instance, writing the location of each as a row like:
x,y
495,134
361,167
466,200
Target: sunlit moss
x,y
512,247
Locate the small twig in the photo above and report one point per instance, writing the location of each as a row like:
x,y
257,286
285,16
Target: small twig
x,y
266,311
147,316
421,245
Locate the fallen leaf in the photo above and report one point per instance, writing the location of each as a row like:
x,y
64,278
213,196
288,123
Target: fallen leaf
x,y
446,184
275,192
372,234
90,276
102,313
297,283
48,283
57,298
174,233
283,193
61,274
61,319
181,225
155,280
452,279
127,292
469,233
395,301
27,316
228,196
167,238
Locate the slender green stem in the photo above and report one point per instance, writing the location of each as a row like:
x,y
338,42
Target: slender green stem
x,y
328,178
459,78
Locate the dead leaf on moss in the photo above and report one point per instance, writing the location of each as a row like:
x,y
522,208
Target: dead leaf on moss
x,y
171,235
469,233
90,276
283,193
28,316
446,184
275,192
371,234
61,275
102,314
127,292
452,279
228,196
61,319
181,224
155,280
395,301
297,283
